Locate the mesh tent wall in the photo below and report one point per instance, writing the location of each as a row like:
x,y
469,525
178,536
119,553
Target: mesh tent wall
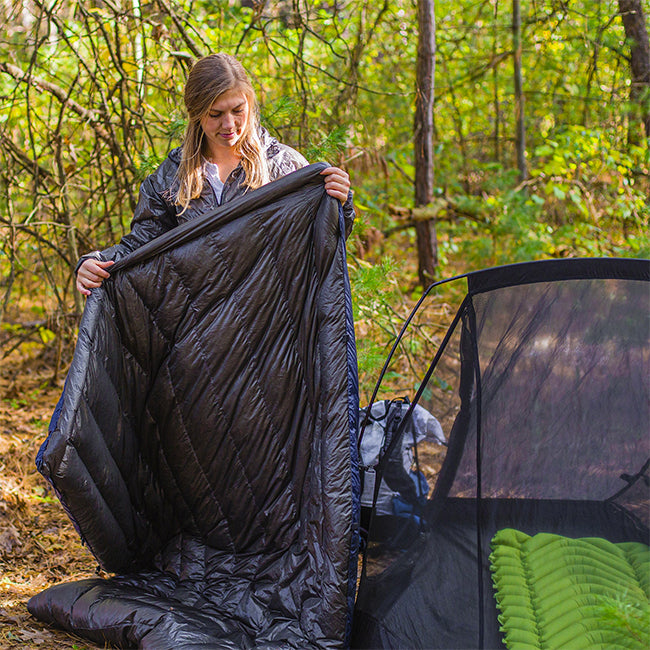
x,y
551,435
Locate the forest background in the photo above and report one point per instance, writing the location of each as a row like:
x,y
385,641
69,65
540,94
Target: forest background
x,y
91,102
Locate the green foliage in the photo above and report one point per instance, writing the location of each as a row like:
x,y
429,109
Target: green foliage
x,y
627,617
41,495
583,198
91,101
375,295
329,147
279,112
147,165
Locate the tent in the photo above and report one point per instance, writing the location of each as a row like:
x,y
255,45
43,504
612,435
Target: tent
x,y
205,442
549,436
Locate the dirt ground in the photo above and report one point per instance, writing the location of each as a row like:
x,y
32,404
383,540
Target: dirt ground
x,y
38,545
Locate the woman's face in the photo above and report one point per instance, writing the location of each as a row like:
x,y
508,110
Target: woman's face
x,y
226,120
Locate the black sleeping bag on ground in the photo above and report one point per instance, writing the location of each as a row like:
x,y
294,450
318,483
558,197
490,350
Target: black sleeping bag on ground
x,y
204,445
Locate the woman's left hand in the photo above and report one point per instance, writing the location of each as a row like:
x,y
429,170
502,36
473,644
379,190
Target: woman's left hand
x,y
337,183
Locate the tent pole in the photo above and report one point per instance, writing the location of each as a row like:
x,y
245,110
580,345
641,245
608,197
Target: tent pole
x,y
479,488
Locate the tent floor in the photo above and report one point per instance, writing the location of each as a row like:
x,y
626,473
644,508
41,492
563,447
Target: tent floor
x,y
432,594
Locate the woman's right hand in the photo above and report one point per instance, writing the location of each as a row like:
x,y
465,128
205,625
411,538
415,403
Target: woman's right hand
x,y
91,274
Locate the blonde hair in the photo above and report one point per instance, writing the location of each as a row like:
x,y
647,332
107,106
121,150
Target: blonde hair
x,y
209,78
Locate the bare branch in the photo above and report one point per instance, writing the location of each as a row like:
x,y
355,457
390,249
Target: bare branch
x,y
89,116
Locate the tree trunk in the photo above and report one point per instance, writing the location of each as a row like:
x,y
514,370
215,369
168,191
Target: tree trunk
x,y
636,33
520,137
423,140
495,83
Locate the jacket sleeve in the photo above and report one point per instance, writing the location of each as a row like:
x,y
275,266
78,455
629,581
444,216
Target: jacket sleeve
x,y
285,161
153,216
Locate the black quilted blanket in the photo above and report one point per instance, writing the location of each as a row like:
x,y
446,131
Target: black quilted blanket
x,y
204,442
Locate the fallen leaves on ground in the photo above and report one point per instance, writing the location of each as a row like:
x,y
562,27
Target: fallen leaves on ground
x,y
39,546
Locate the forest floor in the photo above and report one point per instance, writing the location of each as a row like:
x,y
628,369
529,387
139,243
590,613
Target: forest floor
x,y
39,546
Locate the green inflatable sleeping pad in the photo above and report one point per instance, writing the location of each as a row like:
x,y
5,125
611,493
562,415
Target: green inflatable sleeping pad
x,y
553,591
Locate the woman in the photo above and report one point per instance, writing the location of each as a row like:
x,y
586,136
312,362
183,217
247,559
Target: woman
x,y
225,152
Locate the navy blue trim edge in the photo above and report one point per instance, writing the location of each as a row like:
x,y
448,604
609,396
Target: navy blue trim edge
x,y
54,421
353,423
